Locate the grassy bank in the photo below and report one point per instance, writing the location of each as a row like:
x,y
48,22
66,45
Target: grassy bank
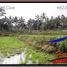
x,y
43,57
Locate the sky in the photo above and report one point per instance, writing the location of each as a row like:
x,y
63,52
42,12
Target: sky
x,y
30,10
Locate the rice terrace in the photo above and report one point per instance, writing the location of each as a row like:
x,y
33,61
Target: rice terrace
x,y
41,40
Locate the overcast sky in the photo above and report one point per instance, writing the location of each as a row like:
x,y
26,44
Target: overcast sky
x,y
29,10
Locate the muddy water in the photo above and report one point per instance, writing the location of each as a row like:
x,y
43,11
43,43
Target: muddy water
x,y
17,59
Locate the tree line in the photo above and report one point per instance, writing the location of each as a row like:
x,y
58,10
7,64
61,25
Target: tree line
x,y
40,23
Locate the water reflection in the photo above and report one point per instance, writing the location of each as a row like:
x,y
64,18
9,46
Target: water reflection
x,y
17,59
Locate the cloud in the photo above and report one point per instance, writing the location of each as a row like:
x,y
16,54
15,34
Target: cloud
x,y
29,10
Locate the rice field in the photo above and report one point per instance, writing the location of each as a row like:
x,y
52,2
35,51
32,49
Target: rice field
x,y
10,45
16,45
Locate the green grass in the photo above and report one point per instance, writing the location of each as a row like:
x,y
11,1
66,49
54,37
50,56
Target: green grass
x,y
43,57
10,45
46,32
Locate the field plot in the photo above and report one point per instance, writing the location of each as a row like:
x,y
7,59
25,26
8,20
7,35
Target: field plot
x,y
11,46
36,42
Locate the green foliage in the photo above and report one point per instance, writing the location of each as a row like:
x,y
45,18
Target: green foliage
x,y
10,45
36,39
63,45
42,57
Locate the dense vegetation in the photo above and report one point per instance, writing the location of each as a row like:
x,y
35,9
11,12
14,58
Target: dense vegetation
x,y
11,45
39,40
15,45
39,24
16,35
